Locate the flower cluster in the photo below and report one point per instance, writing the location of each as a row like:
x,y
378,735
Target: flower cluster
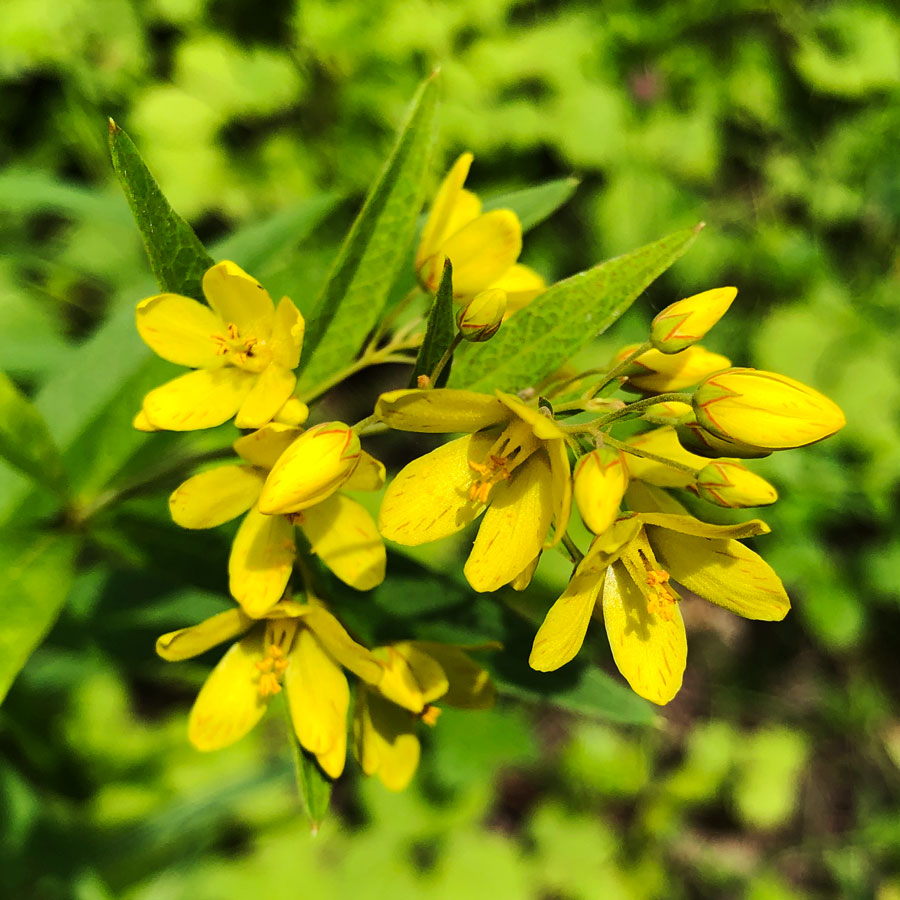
x,y
522,465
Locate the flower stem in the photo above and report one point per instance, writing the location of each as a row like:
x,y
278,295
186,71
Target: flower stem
x,y
637,451
436,371
390,318
574,553
638,405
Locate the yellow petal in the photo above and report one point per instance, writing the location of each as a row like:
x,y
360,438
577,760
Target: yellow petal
x,y
725,572
523,579
439,411
643,497
429,498
180,330
514,527
335,639
483,250
690,525
344,536
562,489
544,428
427,671
318,699
601,478
293,412
229,703
311,469
263,447
445,202
269,393
239,299
651,652
470,686
522,285
261,560
398,682
141,423
368,475
466,208
562,633
288,329
188,642
384,740
201,399
215,496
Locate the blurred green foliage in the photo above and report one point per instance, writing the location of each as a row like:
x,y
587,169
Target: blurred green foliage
x,y
775,773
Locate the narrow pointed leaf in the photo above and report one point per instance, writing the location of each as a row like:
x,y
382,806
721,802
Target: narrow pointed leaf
x,y
177,257
534,204
374,251
312,783
36,571
566,317
439,333
25,440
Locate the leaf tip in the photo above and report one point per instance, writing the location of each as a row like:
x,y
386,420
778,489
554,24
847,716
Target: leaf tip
x,y
435,72
699,227
113,128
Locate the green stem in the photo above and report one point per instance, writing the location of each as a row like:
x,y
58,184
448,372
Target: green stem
x,y
623,365
390,318
436,371
574,553
639,405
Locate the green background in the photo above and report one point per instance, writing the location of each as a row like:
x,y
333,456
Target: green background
x,y
776,771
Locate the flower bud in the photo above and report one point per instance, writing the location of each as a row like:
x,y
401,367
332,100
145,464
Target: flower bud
x,y
662,442
311,469
480,319
731,484
601,478
696,439
656,372
764,409
293,412
685,322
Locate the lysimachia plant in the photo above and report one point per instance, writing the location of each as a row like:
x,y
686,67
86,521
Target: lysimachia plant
x,y
486,345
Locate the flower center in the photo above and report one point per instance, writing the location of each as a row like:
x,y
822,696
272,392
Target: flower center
x,y
515,444
651,580
279,637
244,352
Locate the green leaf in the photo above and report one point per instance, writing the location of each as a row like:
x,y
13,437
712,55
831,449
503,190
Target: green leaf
x,y
374,251
439,333
36,571
566,317
177,257
314,785
25,441
534,204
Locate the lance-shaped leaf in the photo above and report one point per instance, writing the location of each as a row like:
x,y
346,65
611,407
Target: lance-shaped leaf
x,y
25,441
439,332
534,204
177,257
566,317
312,783
35,574
374,251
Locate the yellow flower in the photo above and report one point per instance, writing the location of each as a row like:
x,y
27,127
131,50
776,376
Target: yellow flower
x,y
765,410
242,347
298,648
483,247
417,673
729,483
629,567
662,442
657,372
339,529
517,469
600,478
480,319
685,322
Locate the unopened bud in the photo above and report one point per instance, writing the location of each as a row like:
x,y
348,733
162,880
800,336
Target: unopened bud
x,y
480,319
671,412
311,469
656,372
601,478
731,484
765,409
696,439
686,321
662,442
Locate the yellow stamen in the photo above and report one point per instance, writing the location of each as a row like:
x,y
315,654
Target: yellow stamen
x,y
279,637
429,714
510,450
232,343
